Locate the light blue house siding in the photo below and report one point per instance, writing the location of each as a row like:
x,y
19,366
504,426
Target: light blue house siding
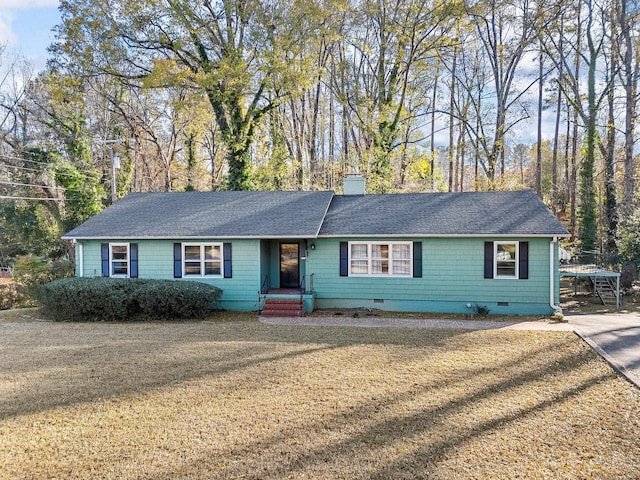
x,y
452,275
155,260
452,278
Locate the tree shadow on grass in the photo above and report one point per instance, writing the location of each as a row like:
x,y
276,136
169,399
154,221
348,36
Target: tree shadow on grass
x,y
54,364
370,437
106,362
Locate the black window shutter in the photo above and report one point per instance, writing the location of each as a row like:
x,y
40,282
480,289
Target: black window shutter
x,y
133,261
523,261
417,259
226,253
104,254
488,259
344,259
177,260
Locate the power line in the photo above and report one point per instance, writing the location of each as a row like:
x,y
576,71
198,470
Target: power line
x,y
21,168
4,197
6,157
18,184
79,174
19,159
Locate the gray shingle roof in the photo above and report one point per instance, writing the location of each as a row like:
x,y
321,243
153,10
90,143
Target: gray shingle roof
x,y
183,215
209,214
441,214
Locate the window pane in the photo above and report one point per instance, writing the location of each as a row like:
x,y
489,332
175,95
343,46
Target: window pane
x,y
119,252
401,251
359,267
192,268
506,269
358,251
120,268
506,252
506,260
212,268
379,251
402,267
379,267
192,252
211,252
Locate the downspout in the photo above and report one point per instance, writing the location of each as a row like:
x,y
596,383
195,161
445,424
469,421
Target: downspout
x,y
557,311
79,258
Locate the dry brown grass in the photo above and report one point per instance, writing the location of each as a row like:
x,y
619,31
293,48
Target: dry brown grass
x,y
238,399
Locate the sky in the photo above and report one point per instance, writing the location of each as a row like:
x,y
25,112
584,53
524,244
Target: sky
x,y
25,28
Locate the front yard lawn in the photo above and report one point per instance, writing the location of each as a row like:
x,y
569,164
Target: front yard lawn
x,y
238,399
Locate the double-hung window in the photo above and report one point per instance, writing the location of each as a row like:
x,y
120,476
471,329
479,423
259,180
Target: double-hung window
x,y
119,260
380,259
506,260
202,260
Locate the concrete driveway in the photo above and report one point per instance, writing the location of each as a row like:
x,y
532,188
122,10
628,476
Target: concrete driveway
x,y
615,336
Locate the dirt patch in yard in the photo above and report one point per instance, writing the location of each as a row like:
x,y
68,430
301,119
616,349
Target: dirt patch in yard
x,y
239,399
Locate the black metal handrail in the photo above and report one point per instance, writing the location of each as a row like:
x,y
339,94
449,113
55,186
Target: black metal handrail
x,y
306,286
262,293
264,288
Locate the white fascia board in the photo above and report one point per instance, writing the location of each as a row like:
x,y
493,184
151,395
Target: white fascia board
x,y
200,237
440,235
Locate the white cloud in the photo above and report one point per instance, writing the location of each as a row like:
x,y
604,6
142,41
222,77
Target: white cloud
x,y
28,4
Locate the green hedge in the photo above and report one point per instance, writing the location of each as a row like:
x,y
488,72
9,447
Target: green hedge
x,y
120,299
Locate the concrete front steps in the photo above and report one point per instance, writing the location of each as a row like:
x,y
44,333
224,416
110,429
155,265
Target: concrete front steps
x,y
274,307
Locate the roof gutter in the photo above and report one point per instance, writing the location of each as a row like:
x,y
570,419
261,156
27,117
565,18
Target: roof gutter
x,y
444,235
557,311
181,237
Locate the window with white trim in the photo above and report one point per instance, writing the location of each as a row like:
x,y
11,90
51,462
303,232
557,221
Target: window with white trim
x,y
505,260
202,260
119,259
380,259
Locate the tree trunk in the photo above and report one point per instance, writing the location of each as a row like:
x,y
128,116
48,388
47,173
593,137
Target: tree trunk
x,y
191,161
610,207
573,221
452,101
630,80
574,141
332,138
554,158
587,188
433,124
540,100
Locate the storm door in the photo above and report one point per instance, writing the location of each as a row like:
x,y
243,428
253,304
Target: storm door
x,y
289,265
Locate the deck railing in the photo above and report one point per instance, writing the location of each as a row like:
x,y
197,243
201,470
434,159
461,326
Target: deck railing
x,y
593,260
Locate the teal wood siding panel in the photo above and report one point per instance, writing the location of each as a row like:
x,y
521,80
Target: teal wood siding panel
x,y
91,258
452,277
155,260
265,258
